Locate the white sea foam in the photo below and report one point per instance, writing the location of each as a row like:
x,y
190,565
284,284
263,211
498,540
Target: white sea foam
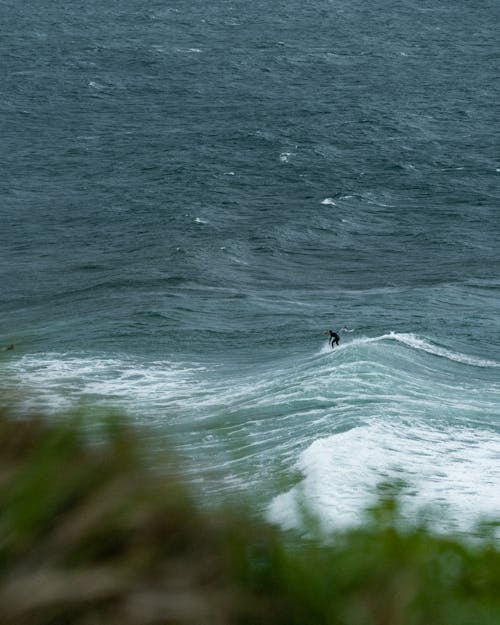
x,y
57,381
455,470
328,202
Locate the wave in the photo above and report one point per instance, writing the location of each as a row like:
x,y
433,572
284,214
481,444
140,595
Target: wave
x,y
438,431
419,344
391,373
436,350
395,373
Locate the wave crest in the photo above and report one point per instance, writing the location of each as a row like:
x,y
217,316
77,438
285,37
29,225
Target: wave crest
x,y
419,344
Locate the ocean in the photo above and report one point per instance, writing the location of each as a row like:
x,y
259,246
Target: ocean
x,y
192,192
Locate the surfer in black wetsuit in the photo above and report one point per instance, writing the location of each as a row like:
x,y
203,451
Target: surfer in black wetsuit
x,y
334,338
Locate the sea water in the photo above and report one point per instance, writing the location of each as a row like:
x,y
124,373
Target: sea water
x,y
192,192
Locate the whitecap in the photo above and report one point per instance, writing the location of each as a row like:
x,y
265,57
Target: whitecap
x,y
421,344
188,50
431,348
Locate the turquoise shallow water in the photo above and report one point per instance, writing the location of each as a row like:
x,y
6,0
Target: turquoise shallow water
x,y
193,192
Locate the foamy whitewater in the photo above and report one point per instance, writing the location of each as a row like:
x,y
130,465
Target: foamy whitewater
x,y
191,195
345,420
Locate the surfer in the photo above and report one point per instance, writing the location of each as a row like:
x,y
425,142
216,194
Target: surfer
x,y
333,339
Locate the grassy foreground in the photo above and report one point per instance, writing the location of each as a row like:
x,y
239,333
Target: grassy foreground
x,y
90,536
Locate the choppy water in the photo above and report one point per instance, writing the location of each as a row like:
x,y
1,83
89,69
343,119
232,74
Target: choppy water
x,y
192,192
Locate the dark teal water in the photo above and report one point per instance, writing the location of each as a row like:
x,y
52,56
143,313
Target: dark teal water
x,y
192,192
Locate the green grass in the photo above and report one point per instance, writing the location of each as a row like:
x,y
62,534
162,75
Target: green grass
x,y
90,536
